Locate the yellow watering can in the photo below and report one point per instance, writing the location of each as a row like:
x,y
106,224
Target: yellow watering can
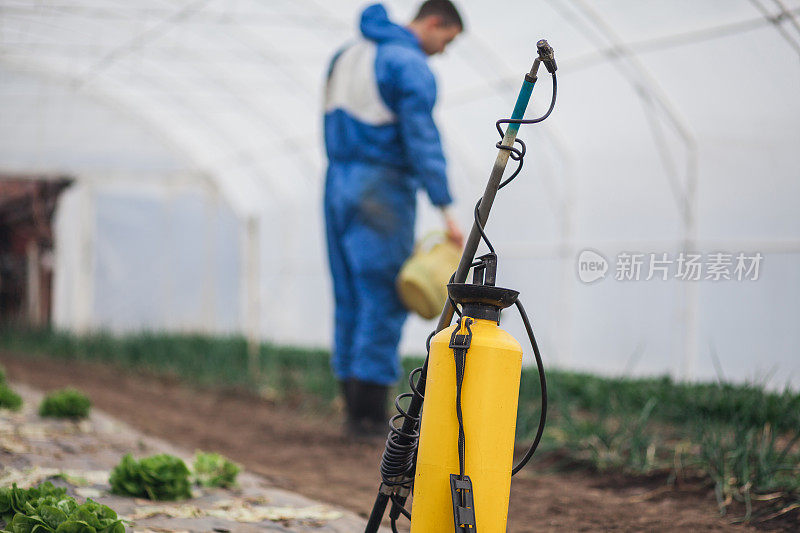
x,y
422,282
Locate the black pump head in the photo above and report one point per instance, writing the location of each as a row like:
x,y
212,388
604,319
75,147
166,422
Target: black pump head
x,y
547,55
481,299
468,294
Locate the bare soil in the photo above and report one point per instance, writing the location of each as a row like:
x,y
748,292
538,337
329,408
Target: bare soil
x,y
305,453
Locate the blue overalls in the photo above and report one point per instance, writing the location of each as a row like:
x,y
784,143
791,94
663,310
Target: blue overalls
x,y
382,144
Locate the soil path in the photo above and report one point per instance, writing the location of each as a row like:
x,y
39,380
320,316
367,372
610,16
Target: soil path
x,y
305,454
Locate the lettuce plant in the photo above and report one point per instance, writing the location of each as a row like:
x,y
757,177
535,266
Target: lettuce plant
x,y
47,509
9,399
215,470
65,403
158,477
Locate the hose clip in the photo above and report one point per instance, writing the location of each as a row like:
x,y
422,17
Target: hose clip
x,y
463,504
462,341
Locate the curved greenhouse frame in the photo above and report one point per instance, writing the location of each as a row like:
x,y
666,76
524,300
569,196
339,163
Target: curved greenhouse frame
x,y
192,131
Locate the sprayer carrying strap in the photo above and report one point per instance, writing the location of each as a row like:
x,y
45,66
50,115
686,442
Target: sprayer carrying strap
x,y
461,485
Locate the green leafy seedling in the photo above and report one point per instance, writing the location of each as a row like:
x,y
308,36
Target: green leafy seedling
x,y
9,399
47,509
214,470
158,477
65,403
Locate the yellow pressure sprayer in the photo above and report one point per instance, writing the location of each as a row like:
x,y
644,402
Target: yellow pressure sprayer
x,y
482,364
456,456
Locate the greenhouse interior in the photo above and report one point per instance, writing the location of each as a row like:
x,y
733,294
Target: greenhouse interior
x,y
263,265
187,139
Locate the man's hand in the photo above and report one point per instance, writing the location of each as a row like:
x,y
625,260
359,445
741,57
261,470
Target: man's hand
x,y
452,228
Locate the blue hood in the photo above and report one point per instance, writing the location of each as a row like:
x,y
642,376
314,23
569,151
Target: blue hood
x,y
390,60
376,26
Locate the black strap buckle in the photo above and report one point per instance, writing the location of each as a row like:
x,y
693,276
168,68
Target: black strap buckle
x,y
462,341
463,504
460,485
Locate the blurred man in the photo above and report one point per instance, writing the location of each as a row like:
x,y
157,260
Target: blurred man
x,y
382,144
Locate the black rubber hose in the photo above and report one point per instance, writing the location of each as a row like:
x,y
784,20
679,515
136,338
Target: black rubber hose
x,y
542,384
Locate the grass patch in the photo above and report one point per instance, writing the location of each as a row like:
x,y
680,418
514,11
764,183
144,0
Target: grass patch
x,y
298,376
743,439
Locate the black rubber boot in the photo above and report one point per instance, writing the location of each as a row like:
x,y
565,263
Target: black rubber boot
x,y
351,421
370,408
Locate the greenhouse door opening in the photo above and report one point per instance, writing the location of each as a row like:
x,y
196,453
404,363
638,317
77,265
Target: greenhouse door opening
x,y
27,204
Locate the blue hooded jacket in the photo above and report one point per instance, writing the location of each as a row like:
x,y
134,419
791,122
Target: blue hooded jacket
x,y
379,102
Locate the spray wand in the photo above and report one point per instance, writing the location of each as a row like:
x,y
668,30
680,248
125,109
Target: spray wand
x,y
481,299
